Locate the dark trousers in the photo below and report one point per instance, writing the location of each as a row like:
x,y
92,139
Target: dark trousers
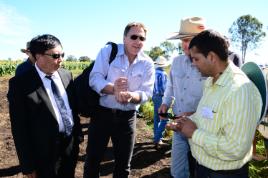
x,y
65,159
118,125
204,172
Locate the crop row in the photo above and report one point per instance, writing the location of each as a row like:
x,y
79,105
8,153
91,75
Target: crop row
x,y
9,67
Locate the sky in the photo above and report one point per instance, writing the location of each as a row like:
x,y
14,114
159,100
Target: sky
x,y
84,26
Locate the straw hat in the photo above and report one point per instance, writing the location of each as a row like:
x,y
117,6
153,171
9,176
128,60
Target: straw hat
x,y
27,48
161,62
189,27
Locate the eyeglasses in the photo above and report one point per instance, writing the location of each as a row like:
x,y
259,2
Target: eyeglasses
x,y
55,56
134,37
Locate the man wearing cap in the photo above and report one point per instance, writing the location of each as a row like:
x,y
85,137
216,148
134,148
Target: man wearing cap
x,y
221,130
159,88
185,88
26,65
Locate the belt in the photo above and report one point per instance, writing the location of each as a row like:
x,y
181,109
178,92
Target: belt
x,y
117,111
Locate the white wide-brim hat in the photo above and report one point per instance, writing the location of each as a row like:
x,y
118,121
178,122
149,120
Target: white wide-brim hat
x,y
161,62
189,27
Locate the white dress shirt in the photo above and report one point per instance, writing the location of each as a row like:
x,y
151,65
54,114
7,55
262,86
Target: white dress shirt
x,y
140,75
47,84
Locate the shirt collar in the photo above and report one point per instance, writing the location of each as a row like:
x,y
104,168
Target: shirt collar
x,y
140,56
42,74
223,78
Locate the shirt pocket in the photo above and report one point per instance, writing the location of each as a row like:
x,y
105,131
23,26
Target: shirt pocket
x,y
135,79
178,78
115,72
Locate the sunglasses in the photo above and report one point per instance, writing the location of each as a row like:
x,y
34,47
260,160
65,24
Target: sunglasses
x,y
134,37
55,56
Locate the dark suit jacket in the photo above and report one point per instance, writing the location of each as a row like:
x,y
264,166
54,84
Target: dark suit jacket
x,y
33,121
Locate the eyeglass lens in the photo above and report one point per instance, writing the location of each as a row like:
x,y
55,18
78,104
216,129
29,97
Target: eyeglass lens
x,y
134,37
56,56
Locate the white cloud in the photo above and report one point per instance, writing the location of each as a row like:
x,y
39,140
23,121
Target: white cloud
x,y
12,23
14,31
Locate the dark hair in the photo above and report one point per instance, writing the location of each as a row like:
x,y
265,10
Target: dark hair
x,y
210,40
40,44
134,24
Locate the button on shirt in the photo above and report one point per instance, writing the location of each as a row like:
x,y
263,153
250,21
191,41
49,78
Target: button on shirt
x,y
185,85
47,84
140,75
226,119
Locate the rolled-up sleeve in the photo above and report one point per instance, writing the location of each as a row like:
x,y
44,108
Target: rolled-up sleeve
x,y
99,72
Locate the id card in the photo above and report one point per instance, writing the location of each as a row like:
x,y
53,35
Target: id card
x,y
207,113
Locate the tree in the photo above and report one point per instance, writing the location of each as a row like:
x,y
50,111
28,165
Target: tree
x,y
247,31
168,48
71,58
155,52
84,58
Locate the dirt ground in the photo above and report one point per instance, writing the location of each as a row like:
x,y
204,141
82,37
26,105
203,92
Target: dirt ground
x,y
147,162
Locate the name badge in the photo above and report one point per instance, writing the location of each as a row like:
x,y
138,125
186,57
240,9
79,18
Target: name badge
x,y
207,113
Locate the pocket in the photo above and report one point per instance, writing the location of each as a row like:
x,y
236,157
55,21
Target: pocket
x,y
196,88
115,72
135,80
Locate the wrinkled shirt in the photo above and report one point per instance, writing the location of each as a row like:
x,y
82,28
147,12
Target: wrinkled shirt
x,y
184,87
140,75
226,119
160,81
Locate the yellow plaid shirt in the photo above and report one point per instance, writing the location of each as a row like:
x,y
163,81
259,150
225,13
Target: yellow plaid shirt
x,y
226,118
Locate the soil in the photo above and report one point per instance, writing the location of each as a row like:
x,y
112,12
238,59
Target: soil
x,y
147,162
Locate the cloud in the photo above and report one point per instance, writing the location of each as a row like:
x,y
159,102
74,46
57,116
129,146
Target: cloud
x,y
12,23
14,29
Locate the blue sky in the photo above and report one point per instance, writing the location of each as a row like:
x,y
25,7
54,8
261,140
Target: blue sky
x,y
84,26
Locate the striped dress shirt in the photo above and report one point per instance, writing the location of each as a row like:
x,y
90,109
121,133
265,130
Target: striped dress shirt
x,y
226,119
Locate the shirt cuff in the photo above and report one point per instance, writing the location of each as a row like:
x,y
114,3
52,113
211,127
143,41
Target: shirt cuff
x,y
101,87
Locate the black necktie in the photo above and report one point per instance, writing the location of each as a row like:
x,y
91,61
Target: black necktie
x,y
66,119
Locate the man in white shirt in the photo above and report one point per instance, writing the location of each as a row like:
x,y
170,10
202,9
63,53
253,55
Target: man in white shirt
x,y
123,85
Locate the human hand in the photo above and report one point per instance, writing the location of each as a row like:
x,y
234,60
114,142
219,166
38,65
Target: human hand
x,y
120,85
162,109
188,127
125,97
175,125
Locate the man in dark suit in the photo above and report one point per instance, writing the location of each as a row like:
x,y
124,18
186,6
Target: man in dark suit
x,y
46,134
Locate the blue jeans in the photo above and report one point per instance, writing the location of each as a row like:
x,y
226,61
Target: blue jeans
x,y
159,125
179,156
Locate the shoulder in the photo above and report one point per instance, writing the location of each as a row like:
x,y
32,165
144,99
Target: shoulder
x,y
180,61
145,58
64,72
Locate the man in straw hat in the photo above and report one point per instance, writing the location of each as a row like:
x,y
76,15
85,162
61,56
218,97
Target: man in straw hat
x,y
159,88
185,86
26,65
221,130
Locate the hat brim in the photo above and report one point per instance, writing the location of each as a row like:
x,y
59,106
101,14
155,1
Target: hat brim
x,y
177,35
24,50
161,65
255,74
